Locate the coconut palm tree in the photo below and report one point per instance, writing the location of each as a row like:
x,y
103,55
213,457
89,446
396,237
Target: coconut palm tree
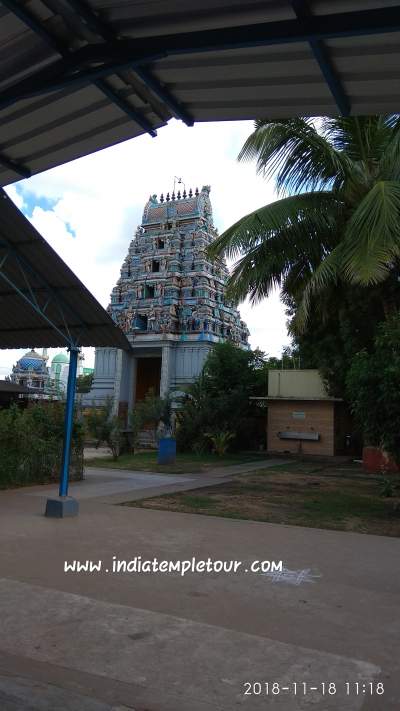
x,y
337,218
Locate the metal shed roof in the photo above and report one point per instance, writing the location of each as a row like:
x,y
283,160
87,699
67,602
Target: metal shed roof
x,y
80,75
8,387
41,299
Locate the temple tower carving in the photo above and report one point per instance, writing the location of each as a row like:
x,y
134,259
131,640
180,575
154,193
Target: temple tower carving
x,y
169,300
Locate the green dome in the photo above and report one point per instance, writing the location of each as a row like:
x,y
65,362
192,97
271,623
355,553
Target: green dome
x,y
60,358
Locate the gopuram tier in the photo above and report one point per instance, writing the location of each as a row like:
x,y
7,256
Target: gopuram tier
x,y
170,300
167,282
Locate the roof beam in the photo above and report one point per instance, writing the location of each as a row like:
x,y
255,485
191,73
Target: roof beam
x,y
94,61
163,94
16,167
92,18
96,24
320,53
25,16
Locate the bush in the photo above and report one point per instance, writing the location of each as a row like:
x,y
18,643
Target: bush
x,y
154,412
31,442
220,442
105,427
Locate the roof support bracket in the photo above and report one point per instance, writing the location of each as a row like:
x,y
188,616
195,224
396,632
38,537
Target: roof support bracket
x,y
320,53
28,294
163,94
96,24
30,20
34,306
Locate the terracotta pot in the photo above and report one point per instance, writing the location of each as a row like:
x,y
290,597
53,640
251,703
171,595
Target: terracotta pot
x,y
376,460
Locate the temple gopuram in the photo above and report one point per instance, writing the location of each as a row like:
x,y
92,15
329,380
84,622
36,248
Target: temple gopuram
x,y
170,301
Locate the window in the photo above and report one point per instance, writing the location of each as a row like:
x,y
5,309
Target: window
x,y
160,243
140,323
149,292
155,266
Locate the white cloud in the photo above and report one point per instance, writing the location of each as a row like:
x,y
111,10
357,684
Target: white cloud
x,y
100,199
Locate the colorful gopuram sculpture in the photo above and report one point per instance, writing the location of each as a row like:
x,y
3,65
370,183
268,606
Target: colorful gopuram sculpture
x,y
169,300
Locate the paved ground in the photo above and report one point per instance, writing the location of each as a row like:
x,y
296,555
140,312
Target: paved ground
x,y
162,642
114,485
90,452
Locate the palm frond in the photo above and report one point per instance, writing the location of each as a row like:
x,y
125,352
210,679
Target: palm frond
x,y
286,258
295,154
304,214
389,161
372,237
327,274
361,138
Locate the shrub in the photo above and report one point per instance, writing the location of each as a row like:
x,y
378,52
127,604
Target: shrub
x,y
105,427
31,442
220,441
154,412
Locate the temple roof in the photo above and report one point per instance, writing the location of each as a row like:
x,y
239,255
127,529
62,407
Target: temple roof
x,y
177,206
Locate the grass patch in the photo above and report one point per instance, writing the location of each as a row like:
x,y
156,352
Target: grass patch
x,y
337,498
198,502
186,462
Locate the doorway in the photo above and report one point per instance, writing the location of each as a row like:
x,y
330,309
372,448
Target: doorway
x,y
148,377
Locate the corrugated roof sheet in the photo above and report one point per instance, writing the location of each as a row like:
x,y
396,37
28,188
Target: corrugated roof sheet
x,y
102,71
8,387
28,262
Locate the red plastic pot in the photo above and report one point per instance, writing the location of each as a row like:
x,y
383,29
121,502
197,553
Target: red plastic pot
x,y
376,460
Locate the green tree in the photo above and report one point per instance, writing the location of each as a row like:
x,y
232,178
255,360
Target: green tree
x,y
84,383
343,321
373,386
218,403
337,217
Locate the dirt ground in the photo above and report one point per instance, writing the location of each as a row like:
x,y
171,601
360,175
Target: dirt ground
x,y
303,494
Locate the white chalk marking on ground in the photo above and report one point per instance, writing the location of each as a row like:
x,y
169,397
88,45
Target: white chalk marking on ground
x,y
293,577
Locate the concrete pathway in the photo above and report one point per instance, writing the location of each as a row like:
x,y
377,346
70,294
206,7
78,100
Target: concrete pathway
x,y
99,452
106,482
113,485
165,642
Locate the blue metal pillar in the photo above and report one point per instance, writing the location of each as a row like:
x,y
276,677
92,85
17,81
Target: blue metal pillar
x,y
65,505
69,419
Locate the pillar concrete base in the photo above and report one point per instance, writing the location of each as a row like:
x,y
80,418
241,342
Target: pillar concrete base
x,y
61,507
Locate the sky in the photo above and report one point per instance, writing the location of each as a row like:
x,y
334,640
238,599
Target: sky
x,y
88,209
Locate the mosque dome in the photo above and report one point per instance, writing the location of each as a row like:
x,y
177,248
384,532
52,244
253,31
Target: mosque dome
x,y
32,361
60,358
